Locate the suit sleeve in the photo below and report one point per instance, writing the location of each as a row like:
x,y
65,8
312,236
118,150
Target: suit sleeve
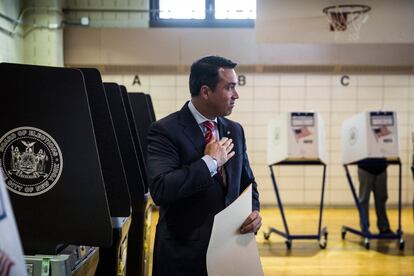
x,y
247,177
170,180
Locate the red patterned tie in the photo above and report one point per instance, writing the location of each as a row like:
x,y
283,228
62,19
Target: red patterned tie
x,y
209,125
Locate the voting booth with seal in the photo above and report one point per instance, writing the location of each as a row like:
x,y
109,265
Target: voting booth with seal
x,y
297,139
50,163
72,169
371,138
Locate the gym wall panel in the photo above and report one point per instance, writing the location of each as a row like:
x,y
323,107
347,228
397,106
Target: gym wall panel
x,y
265,95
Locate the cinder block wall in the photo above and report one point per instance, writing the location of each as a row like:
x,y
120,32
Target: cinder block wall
x,y
11,40
32,32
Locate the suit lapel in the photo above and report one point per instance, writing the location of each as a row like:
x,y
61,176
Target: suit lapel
x,y
191,129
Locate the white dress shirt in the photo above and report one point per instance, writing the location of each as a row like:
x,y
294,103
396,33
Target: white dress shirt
x,y
210,161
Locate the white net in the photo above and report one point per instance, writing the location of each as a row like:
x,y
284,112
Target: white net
x,y
347,18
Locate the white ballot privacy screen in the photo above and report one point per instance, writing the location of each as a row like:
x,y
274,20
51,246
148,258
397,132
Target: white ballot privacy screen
x,y
371,134
296,136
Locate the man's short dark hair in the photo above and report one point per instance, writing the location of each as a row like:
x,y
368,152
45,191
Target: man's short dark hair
x,y
205,72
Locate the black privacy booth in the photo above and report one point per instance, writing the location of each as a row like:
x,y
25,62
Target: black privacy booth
x,y
151,108
112,259
142,116
133,160
50,162
143,113
137,260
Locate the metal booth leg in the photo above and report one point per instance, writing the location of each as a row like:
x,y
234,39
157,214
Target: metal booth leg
x,y
365,233
282,212
322,234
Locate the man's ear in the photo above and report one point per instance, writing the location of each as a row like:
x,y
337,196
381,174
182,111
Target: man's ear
x,y
204,90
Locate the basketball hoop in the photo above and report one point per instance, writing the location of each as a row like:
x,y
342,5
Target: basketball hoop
x,y
347,18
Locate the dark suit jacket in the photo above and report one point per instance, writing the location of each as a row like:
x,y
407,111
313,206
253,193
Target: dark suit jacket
x,y
181,184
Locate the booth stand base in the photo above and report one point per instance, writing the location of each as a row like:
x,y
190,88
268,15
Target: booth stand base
x,y
366,234
322,237
322,234
369,236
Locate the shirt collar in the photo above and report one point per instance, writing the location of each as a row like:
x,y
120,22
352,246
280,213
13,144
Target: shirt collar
x,y
197,115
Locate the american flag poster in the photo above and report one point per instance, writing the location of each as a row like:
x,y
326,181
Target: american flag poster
x,y
301,133
381,132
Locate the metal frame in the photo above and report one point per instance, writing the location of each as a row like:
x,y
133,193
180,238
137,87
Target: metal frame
x,y
322,234
366,234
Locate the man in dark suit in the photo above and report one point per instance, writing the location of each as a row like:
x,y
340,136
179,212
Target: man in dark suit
x,y
198,165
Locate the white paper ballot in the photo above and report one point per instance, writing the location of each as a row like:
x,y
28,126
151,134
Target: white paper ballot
x,y
230,253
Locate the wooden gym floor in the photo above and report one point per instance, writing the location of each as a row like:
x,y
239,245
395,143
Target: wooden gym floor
x,y
341,257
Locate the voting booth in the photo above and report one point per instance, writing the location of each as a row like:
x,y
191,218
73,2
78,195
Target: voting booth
x,y
297,139
137,260
371,137
112,259
62,161
11,253
132,158
143,114
296,136
136,125
50,163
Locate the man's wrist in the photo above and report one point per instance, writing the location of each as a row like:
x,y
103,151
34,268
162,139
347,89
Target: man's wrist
x,y
211,163
214,160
